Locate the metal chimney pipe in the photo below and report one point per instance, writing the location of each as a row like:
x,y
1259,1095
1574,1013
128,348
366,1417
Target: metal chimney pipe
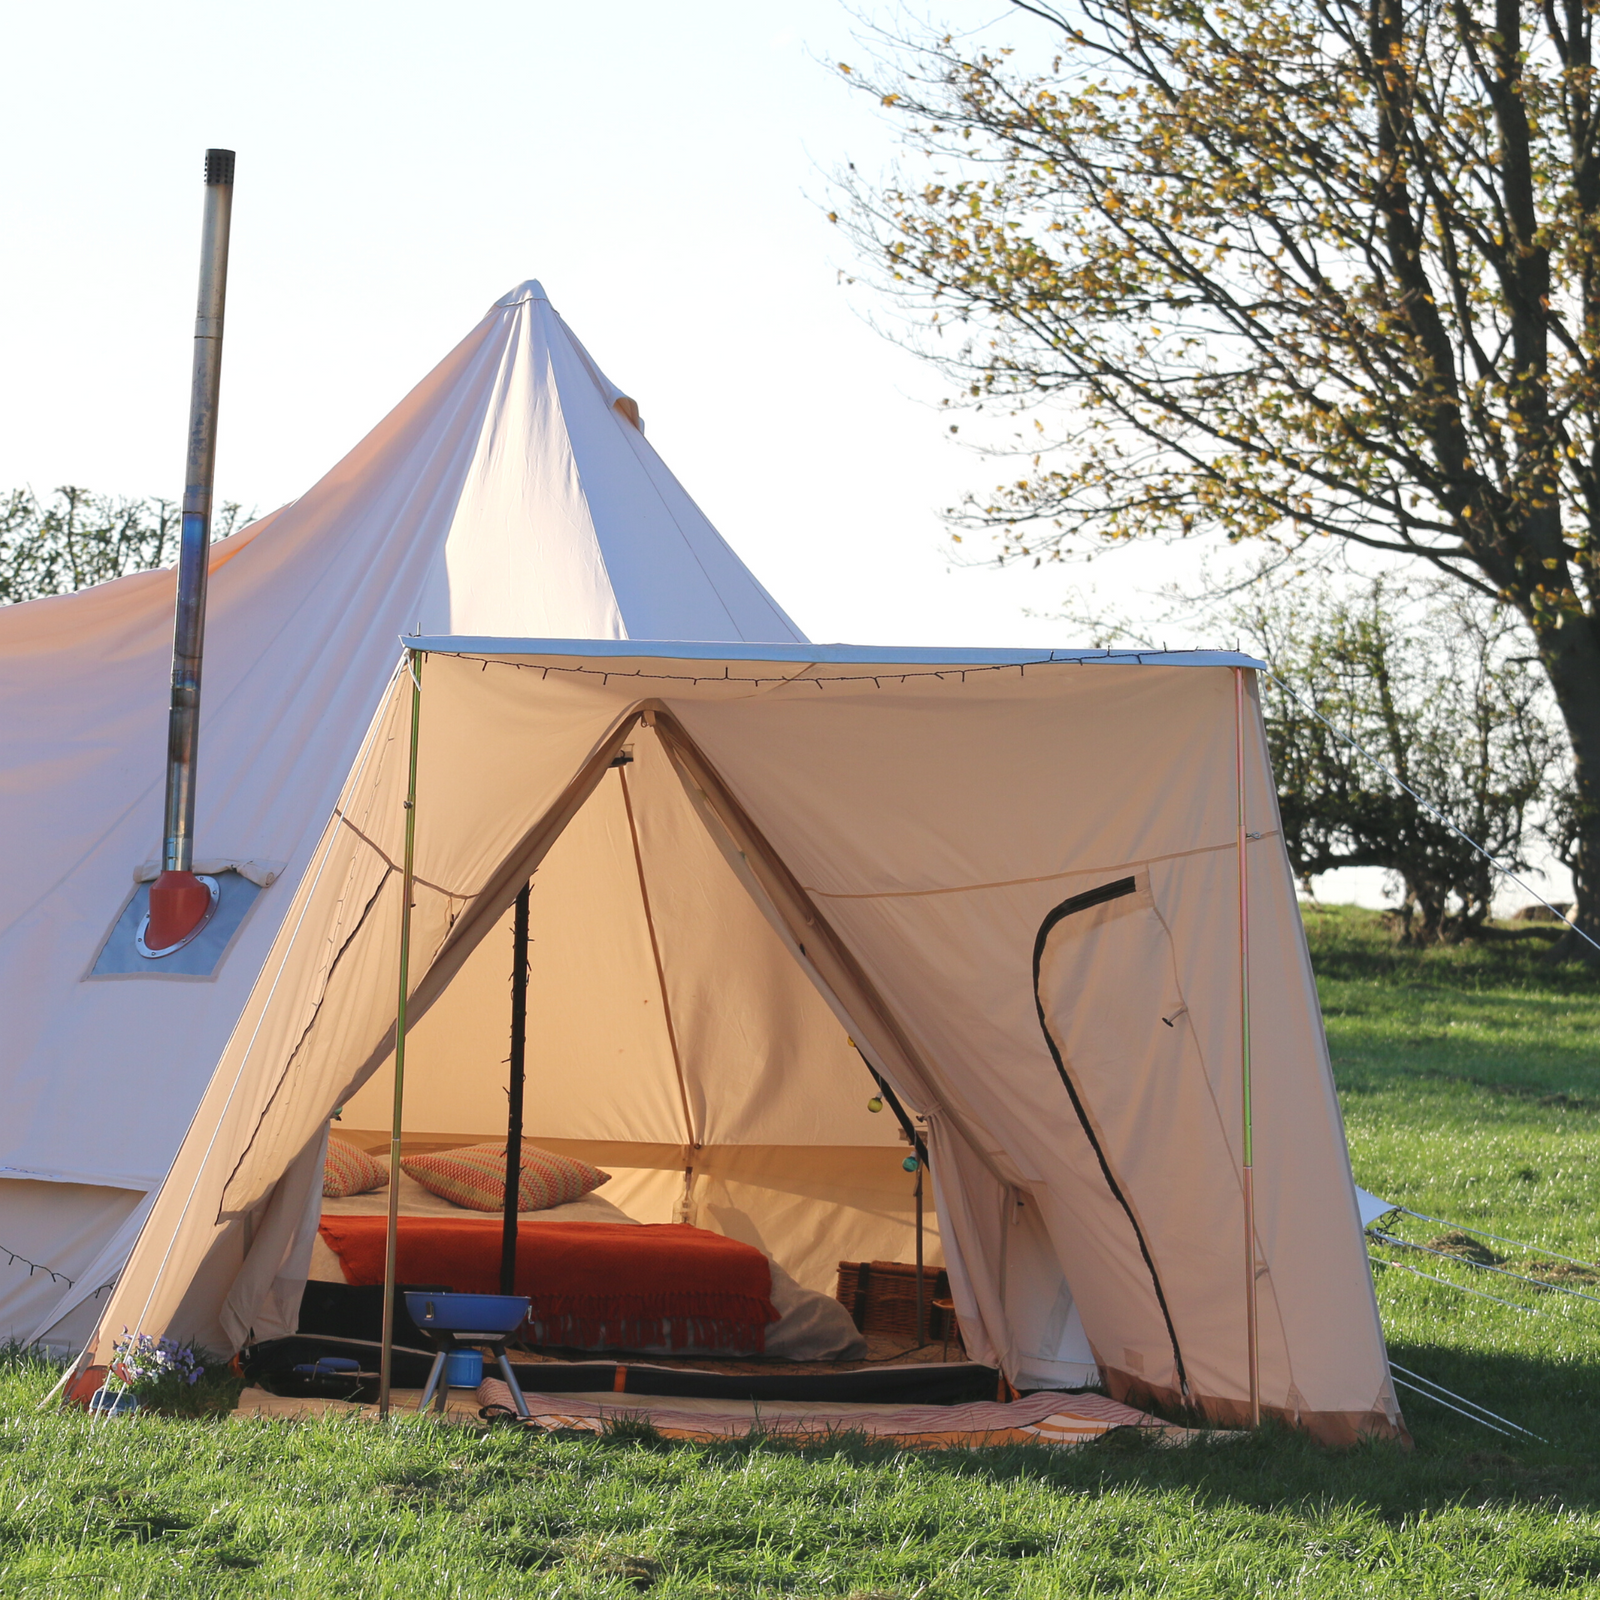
x,y
179,902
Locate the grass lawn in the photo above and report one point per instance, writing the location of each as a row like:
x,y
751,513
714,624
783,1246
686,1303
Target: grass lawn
x,y
1472,1093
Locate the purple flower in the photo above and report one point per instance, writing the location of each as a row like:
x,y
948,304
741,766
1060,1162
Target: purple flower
x,y
139,1359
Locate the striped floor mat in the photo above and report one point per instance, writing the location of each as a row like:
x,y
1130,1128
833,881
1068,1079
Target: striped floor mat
x,y
1054,1419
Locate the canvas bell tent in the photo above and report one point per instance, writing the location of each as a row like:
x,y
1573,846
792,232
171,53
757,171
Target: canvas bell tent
x,y
1022,884
512,491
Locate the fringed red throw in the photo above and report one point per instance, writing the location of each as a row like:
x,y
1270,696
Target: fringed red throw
x,y
592,1285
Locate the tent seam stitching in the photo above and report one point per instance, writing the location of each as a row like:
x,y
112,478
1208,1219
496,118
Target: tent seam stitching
x,y
1012,883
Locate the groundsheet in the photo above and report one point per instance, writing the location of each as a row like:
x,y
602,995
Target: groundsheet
x,y
461,1406
1047,1418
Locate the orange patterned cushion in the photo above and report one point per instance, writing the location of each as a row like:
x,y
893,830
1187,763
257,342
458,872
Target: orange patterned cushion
x,y
475,1177
350,1170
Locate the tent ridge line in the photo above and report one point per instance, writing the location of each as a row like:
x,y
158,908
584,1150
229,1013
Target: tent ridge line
x,y
689,758
1012,883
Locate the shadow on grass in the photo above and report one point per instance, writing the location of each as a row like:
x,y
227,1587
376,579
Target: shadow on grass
x,y
1477,1067
1270,1470
1354,944
1454,1461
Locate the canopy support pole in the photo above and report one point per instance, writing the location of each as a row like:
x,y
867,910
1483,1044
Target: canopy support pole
x,y
519,1060
407,875
922,1309
1244,1058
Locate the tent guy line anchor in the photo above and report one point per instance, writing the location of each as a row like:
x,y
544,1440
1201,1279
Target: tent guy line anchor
x,y
1499,1238
1482,1266
1419,1379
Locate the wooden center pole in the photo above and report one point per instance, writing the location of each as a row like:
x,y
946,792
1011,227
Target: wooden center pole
x,y
922,1308
519,1058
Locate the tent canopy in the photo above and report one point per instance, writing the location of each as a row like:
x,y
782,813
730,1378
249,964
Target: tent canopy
x,y
1011,879
511,491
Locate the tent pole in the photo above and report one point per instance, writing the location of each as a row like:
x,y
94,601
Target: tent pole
x,y
1244,1058
392,1232
519,1058
922,1310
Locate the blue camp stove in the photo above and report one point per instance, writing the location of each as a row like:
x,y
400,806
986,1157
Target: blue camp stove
x,y
453,1322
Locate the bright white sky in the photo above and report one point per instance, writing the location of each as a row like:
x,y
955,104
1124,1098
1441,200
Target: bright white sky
x,y
661,169
400,166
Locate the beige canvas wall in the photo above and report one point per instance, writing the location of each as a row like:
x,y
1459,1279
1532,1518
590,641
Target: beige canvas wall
x,y
53,1232
768,1136
905,834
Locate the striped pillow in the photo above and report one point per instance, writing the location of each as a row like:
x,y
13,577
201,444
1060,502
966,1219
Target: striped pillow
x,y
475,1177
350,1170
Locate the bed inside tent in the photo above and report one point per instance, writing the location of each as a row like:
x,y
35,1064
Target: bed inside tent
x,y
673,1043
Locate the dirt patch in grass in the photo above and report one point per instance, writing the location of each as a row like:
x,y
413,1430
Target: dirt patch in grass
x,y
1466,1248
1566,1274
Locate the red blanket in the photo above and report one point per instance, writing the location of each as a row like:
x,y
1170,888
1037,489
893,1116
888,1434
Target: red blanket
x,y
592,1285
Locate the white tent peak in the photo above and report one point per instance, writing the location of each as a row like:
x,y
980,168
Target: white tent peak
x,y
532,293
529,289
506,494
560,510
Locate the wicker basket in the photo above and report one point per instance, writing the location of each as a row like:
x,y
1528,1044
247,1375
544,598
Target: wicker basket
x,y
882,1297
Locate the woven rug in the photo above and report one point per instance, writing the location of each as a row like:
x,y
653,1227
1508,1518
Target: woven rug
x,y
1048,1418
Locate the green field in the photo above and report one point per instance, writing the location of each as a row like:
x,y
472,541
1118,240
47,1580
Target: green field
x,y
1472,1093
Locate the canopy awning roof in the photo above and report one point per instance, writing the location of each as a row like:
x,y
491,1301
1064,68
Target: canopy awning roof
x,y
889,656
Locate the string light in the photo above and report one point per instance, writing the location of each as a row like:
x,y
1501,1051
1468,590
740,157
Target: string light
x,y
14,1257
1077,659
